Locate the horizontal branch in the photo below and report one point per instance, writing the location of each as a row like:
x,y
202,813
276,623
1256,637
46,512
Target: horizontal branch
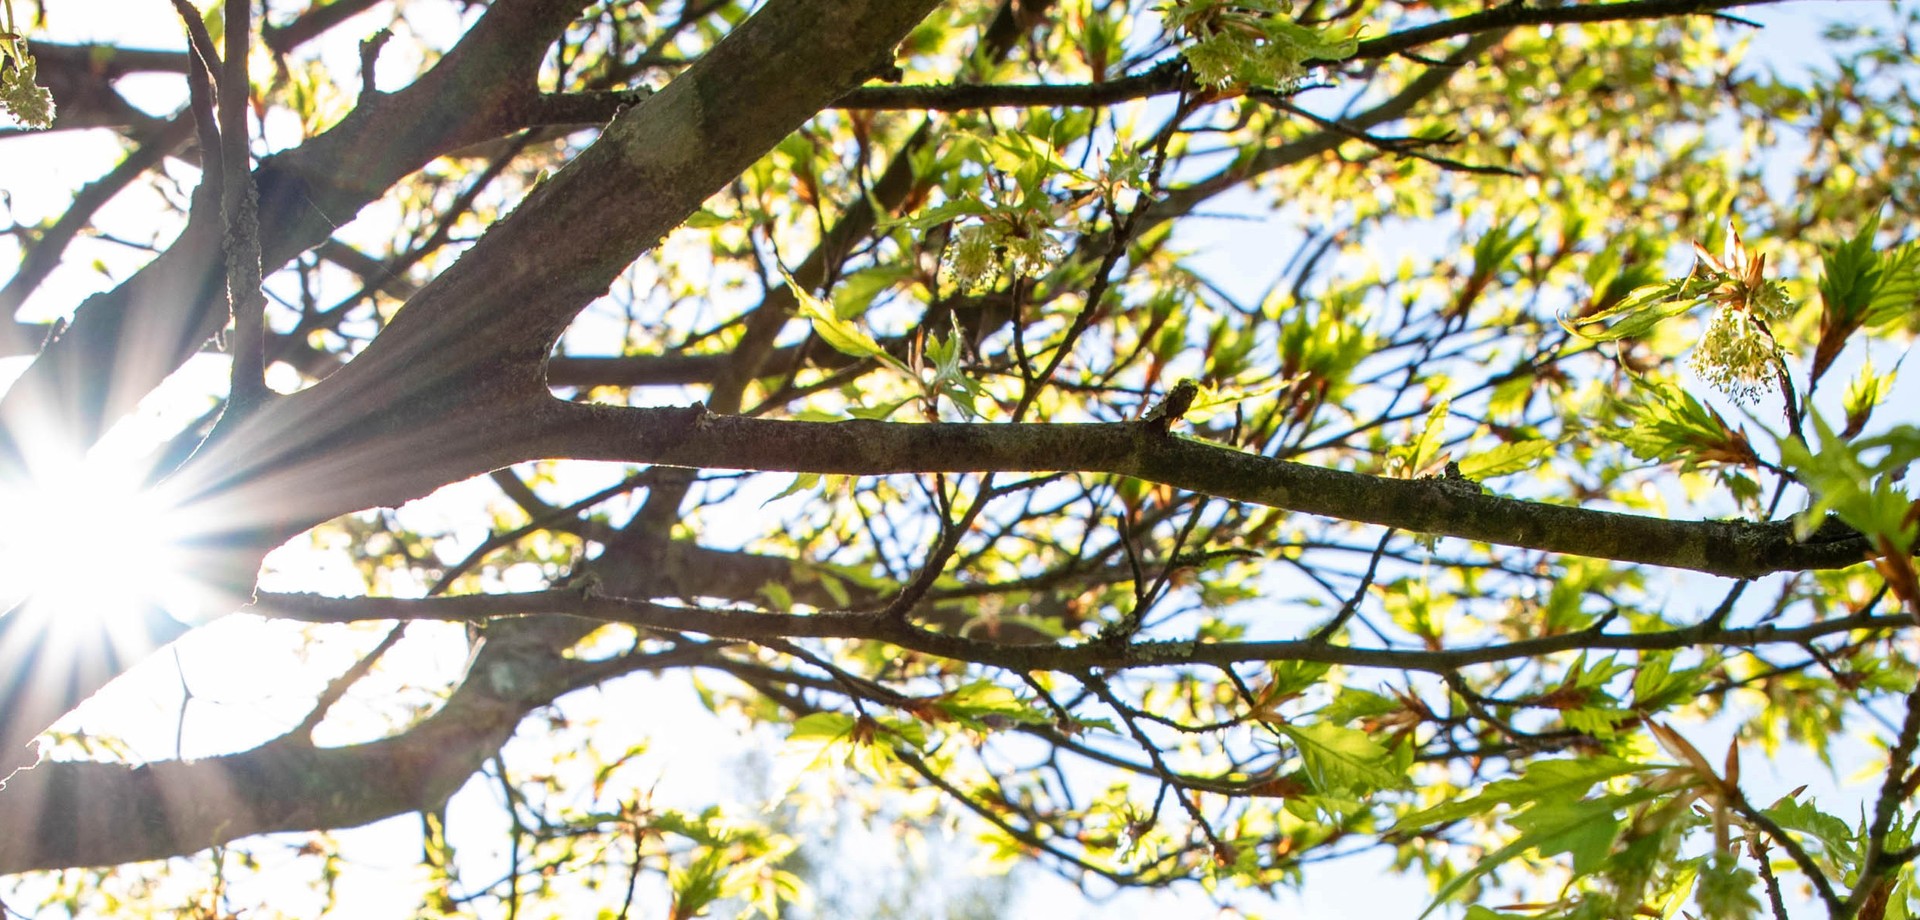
x,y
284,38
1165,77
679,437
108,62
1520,14
1162,78
753,625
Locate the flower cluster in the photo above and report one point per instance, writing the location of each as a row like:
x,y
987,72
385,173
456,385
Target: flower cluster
x,y
21,95
1249,43
979,252
1738,353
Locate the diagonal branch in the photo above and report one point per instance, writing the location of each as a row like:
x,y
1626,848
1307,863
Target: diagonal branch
x,y
477,337
65,814
479,334
144,328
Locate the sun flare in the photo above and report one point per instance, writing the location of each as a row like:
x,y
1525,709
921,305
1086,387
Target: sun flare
x,y
93,543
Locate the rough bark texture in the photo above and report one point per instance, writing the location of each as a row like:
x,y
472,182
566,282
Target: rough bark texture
x,y
1455,508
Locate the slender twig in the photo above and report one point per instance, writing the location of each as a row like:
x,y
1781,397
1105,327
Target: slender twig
x,y
1757,847
41,253
755,626
1801,857
1718,617
1352,606
200,96
1396,146
369,57
338,687
951,530
1165,773
538,523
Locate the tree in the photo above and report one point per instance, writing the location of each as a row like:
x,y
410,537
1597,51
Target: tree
x,y
942,453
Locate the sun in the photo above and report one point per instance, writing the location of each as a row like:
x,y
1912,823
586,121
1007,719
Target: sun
x,y
92,542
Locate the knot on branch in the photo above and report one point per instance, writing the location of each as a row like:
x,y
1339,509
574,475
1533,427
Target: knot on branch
x,y
1160,418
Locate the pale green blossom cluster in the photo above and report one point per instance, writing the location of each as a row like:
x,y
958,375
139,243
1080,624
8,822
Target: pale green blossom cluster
x,y
24,100
1250,43
21,95
1737,354
979,253
1217,59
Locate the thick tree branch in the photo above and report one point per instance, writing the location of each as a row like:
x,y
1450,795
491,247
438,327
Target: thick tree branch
x,y
153,321
240,209
478,335
482,425
125,341
66,814
1732,549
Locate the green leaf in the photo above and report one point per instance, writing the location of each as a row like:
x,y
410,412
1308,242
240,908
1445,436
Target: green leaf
x,y
857,291
1496,248
979,703
697,885
835,589
879,413
842,336
1485,865
1836,838
801,482
1585,828
1725,890
1414,459
1639,312
1341,759
1670,426
1865,393
945,213
777,595
1506,459
821,726
1656,686
1542,780
1291,678
1860,285
1353,703
1860,480
906,730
